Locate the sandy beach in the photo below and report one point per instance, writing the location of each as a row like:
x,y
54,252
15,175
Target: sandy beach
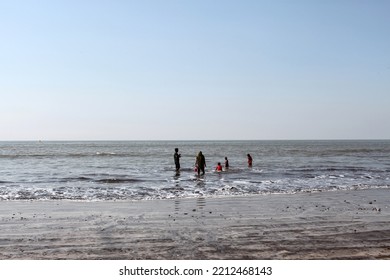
x,y
324,225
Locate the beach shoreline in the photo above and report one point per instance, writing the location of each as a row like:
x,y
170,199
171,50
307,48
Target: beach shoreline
x,y
324,225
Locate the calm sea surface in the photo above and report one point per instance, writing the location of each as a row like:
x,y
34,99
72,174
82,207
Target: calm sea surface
x,y
145,170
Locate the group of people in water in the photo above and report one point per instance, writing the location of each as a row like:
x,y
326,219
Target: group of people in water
x,y
200,162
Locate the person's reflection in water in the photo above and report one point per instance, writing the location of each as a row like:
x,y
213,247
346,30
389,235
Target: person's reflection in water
x,y
177,206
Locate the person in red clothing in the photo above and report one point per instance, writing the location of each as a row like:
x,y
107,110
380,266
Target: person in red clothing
x,y
219,167
250,160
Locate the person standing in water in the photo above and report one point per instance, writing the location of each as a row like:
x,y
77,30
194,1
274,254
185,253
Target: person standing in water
x,y
226,163
219,167
250,160
176,158
200,163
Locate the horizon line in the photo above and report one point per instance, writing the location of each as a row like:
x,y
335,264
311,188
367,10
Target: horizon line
x,y
197,140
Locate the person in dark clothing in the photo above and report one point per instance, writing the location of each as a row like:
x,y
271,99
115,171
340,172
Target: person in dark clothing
x,y
200,163
226,163
250,160
176,158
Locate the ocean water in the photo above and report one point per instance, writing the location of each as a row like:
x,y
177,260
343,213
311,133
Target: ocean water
x,y
145,170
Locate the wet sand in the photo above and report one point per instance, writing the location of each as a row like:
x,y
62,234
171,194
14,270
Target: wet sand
x,y
325,225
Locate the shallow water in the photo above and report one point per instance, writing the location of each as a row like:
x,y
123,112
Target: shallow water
x,y
145,170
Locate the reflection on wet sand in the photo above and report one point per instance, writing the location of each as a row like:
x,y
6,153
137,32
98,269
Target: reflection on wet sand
x,y
327,225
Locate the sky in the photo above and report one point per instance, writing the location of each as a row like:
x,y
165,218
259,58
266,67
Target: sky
x,y
194,70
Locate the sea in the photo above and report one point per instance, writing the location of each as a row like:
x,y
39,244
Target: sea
x,y
145,170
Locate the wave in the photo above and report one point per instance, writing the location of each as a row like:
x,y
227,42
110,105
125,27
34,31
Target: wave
x,y
200,188
117,180
107,180
71,155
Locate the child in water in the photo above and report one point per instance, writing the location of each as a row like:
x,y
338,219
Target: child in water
x,y
219,167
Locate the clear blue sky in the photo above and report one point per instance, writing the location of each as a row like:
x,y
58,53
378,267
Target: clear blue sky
x,y
193,70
